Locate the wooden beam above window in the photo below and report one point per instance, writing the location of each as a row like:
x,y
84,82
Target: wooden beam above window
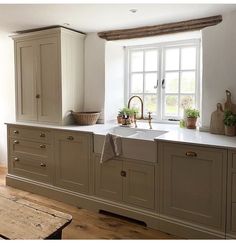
x,y
148,31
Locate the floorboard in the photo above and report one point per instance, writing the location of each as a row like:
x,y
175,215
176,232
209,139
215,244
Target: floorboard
x,y
87,224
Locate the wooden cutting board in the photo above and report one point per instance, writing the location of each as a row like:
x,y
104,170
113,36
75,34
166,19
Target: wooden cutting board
x,y
217,124
228,104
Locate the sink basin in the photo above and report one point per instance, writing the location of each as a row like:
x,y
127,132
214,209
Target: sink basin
x,y
137,143
136,133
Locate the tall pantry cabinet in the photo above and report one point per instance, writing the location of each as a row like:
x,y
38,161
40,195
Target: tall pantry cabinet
x,y
49,75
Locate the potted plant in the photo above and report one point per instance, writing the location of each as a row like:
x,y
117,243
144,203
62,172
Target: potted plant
x,y
126,115
192,115
229,122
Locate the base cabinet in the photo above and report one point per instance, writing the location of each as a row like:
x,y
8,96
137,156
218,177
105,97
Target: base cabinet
x,y
194,184
72,151
126,181
231,196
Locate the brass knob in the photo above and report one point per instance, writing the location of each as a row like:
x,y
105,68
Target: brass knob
x,y
16,142
42,164
37,96
70,138
16,132
42,146
123,173
191,154
16,159
42,135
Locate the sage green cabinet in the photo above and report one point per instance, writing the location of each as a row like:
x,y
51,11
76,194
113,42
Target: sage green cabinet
x,y
231,195
131,182
72,160
193,187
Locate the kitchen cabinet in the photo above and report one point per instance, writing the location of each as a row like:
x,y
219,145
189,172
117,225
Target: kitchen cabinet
x,y
127,181
72,161
193,186
30,154
48,83
231,195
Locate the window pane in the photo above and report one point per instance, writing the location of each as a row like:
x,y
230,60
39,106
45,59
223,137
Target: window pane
x,y
136,83
150,103
186,101
172,59
172,82
171,105
150,83
188,82
137,61
151,60
188,58
136,103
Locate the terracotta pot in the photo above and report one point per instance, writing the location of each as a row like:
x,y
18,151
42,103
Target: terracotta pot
x,y
230,131
119,119
191,123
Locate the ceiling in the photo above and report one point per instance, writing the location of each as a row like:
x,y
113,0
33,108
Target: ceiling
x,y
102,17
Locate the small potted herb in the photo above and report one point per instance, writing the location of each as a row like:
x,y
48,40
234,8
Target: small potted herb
x,y
192,115
230,123
126,115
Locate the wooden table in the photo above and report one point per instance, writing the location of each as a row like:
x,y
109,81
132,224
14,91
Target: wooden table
x,y
21,219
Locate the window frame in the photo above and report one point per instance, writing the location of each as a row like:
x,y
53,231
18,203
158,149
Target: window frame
x,y
160,47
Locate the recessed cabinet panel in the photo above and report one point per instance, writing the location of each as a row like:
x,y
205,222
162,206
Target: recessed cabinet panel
x,y
139,184
108,179
72,161
26,81
194,184
233,218
48,75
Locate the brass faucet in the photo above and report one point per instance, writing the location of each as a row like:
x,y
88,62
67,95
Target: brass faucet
x,y
141,117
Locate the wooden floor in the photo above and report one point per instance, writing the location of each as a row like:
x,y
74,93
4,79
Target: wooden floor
x,y
87,224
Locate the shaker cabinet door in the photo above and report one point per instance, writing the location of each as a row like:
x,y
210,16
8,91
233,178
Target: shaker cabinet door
x,y
194,184
48,79
72,153
26,81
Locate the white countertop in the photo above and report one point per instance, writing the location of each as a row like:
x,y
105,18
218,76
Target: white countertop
x,y
174,133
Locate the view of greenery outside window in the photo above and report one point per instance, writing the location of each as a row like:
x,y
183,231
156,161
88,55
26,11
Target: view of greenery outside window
x,y
165,76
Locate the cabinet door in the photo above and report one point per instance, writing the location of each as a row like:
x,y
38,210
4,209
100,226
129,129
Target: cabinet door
x,y
194,184
138,184
72,161
48,80
108,177
26,81
231,195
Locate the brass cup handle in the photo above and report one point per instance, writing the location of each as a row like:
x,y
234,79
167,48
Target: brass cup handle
x,y
191,154
16,142
42,164
42,135
42,146
70,138
16,159
123,173
16,132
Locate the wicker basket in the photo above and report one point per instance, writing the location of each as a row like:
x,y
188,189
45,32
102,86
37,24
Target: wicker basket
x,y
86,118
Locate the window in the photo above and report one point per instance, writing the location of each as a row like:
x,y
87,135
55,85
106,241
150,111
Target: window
x,y
165,76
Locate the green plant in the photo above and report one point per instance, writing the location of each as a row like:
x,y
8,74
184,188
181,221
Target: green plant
x,y
192,113
229,118
127,111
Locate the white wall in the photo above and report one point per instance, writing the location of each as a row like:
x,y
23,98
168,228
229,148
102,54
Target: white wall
x,y
94,74
219,65
114,80
7,91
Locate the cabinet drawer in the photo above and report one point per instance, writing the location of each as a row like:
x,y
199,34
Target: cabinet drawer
x,y
19,146
32,168
29,133
234,161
